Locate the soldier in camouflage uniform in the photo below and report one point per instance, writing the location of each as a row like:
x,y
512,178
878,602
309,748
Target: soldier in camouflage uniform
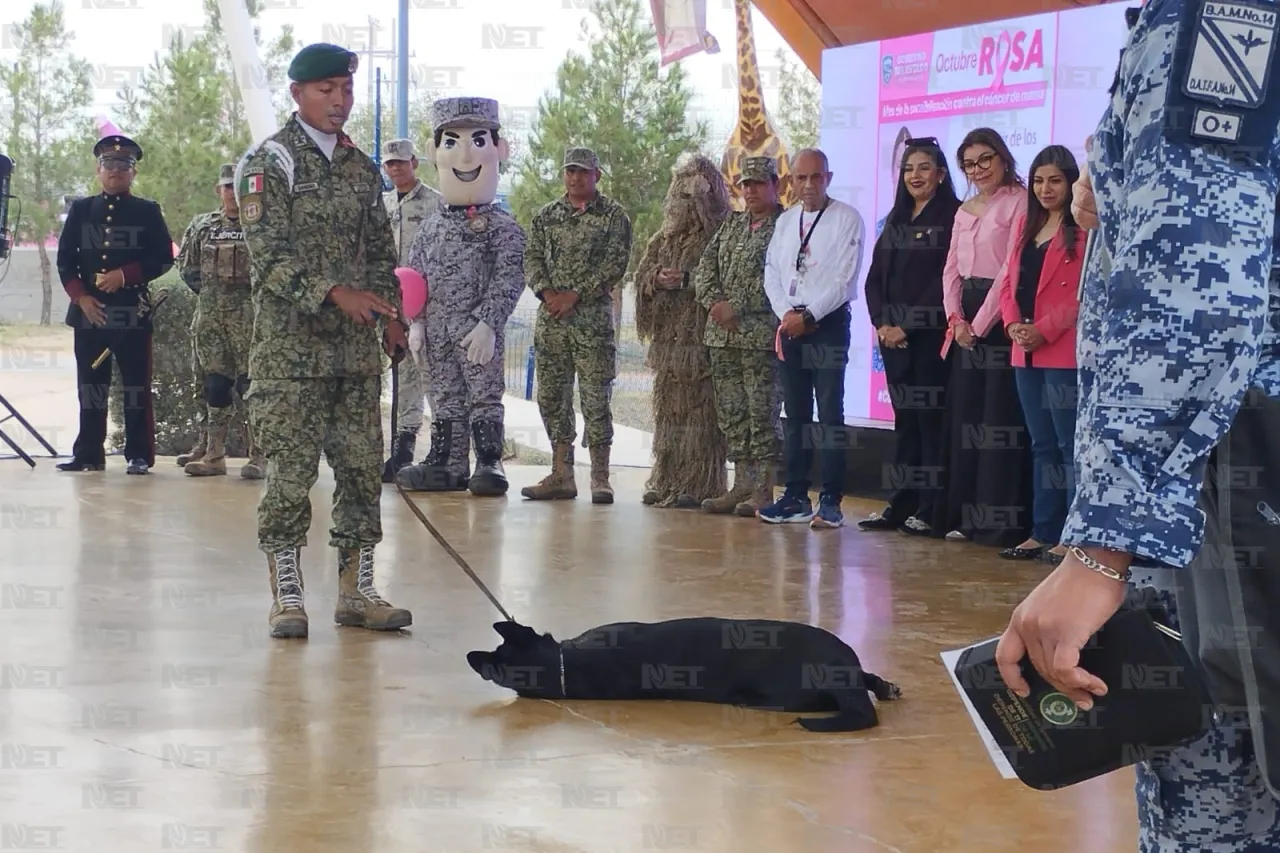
x,y
471,252
327,300
214,262
578,250
1178,447
741,328
408,203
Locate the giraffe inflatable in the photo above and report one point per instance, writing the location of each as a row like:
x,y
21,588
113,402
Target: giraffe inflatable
x,y
753,136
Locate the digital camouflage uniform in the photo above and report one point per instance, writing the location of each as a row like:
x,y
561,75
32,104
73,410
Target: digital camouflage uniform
x,y
744,366
313,224
585,251
214,262
407,215
473,260
1178,443
197,450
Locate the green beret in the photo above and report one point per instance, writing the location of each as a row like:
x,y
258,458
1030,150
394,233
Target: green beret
x,y
322,61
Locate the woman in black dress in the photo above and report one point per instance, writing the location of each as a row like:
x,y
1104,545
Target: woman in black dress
x,y
904,300
986,455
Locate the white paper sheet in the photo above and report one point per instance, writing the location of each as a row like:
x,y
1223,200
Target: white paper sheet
x,y
949,660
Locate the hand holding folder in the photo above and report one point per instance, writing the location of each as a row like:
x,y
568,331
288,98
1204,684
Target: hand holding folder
x,y
1156,698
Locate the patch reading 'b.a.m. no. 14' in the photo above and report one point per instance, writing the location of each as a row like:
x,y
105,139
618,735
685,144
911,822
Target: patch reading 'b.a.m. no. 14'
x,y
1231,54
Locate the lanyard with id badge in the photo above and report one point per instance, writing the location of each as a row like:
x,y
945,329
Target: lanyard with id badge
x,y
804,247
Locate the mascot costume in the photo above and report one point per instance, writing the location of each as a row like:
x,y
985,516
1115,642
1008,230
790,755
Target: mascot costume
x,y
472,253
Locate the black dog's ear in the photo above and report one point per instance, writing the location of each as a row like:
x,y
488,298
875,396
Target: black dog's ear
x,y
514,631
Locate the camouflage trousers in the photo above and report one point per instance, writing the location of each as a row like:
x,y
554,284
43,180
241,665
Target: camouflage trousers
x,y
583,346
297,419
412,392
223,333
748,401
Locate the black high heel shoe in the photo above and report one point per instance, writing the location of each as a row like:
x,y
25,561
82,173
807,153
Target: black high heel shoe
x,y
1035,553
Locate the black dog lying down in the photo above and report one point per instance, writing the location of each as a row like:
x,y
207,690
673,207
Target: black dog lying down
x,y
776,666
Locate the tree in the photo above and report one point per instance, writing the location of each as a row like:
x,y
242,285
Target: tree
x,y
619,102
50,136
187,114
799,108
360,127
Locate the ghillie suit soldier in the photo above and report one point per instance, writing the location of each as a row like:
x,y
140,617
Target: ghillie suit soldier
x,y
688,448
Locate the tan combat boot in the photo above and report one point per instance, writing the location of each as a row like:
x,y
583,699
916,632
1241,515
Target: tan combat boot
x,y
762,483
359,605
560,484
214,461
256,467
288,617
196,453
727,503
601,491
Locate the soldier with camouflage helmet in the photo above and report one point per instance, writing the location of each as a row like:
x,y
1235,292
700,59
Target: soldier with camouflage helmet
x,y
740,332
214,262
578,250
327,303
471,252
408,203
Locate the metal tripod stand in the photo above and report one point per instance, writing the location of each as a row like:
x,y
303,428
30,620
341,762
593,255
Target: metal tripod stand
x,y
15,415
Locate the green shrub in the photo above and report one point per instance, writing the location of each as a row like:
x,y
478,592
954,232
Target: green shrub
x,y
178,396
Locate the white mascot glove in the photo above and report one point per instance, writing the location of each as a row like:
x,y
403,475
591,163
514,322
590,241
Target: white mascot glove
x,y
480,343
417,336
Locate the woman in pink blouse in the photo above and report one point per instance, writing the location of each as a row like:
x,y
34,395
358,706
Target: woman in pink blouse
x,y
986,458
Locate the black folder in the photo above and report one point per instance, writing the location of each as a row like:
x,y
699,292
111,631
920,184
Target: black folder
x,y
1156,699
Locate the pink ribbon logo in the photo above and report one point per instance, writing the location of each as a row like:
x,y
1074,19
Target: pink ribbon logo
x,y
1002,59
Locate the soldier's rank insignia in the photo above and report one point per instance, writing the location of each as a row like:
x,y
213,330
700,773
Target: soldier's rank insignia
x,y
478,223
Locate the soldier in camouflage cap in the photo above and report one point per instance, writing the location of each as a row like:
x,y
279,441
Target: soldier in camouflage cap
x,y
472,253
409,202
1178,438
327,305
214,263
740,332
578,250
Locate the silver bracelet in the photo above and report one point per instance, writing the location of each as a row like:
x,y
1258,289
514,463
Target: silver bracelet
x,y
1090,563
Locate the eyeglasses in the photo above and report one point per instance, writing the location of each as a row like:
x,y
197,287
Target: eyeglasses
x,y
983,162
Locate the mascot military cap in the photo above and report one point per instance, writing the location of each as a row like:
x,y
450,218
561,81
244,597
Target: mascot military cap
x,y
227,175
758,169
465,112
117,147
322,61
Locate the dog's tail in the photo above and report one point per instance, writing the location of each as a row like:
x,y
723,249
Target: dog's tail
x,y
855,711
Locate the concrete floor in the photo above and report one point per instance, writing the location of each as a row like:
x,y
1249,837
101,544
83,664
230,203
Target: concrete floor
x,y
144,707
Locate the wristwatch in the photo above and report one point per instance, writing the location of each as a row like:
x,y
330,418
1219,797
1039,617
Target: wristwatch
x,y
809,319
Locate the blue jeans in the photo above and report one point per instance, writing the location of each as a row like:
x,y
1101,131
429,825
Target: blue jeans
x,y
1048,396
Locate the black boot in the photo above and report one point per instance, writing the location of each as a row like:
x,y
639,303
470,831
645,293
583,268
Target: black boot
x,y
432,474
490,480
402,447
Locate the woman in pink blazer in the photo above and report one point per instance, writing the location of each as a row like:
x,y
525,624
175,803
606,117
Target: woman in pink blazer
x,y
1039,299
986,457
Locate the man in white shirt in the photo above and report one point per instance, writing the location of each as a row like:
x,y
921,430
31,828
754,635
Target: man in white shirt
x,y
810,272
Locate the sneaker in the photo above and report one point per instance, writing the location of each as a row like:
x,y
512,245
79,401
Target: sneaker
x,y
878,521
828,515
787,509
916,527
956,536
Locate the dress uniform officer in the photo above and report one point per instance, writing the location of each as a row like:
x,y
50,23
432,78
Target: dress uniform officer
x,y
1179,430
326,301
408,203
112,246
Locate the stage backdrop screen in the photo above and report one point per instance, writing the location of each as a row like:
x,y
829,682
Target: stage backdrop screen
x,y
1037,80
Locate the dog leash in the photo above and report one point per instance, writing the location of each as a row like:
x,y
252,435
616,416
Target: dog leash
x,y
449,549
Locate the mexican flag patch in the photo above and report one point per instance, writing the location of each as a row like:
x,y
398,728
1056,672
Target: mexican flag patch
x,y
253,183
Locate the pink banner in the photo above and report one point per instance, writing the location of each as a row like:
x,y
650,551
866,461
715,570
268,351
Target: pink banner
x,y
962,103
